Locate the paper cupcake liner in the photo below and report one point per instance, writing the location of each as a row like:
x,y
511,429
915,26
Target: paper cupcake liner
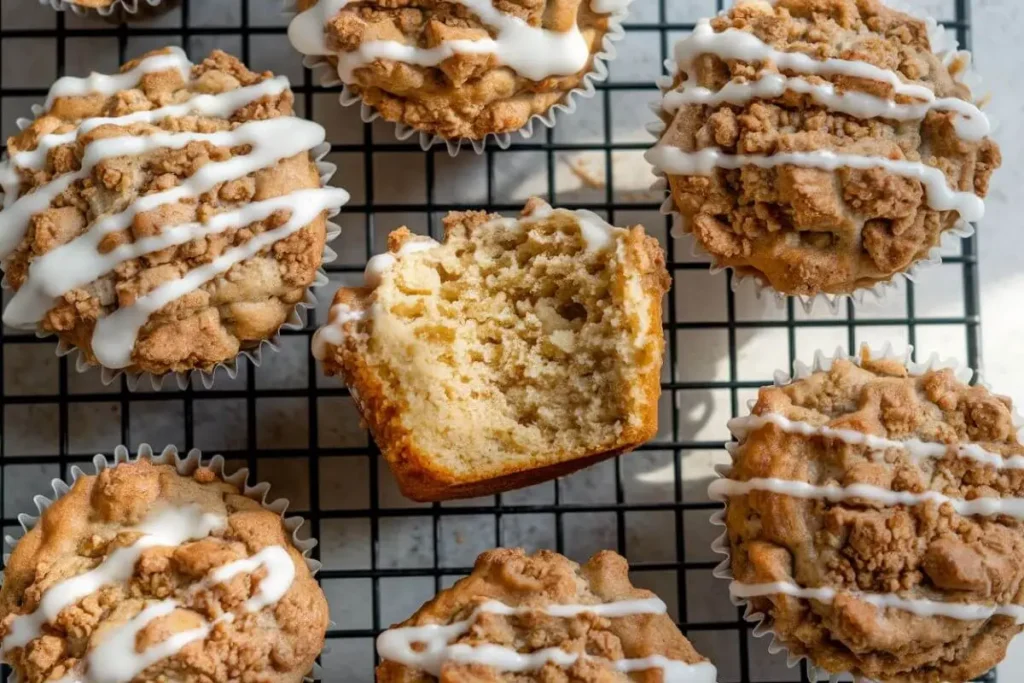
x,y
254,355
327,76
118,10
942,45
185,466
721,546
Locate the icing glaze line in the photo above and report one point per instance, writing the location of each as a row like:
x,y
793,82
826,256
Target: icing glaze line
x,y
704,162
397,644
106,85
115,334
167,527
533,52
918,606
741,427
971,124
722,489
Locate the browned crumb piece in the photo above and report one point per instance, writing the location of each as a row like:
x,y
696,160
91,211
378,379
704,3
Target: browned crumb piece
x,y
466,96
276,644
925,551
233,312
546,578
511,354
807,231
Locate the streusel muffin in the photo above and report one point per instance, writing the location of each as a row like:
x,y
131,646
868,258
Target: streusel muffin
x,y
514,352
460,68
144,574
541,617
821,146
875,517
167,218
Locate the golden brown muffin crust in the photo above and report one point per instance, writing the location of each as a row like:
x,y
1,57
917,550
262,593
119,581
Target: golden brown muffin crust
x,y
466,96
277,644
546,578
806,231
233,312
924,551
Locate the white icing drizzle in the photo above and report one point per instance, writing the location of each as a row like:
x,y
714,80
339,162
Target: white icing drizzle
x,y
116,660
610,6
105,85
222,105
918,606
742,426
333,333
940,197
971,124
397,644
166,527
80,262
721,489
734,44
533,52
115,334
597,234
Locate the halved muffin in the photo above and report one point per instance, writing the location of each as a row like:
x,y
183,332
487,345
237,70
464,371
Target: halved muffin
x,y
516,351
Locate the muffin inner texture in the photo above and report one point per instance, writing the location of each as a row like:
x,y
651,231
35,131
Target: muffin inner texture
x,y
511,342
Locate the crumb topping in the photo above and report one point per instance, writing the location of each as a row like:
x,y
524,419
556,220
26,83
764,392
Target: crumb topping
x,y
809,230
81,530
234,311
466,95
924,551
512,577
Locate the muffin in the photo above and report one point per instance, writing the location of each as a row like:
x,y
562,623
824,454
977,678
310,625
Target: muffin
x,y
116,10
874,520
167,218
142,574
821,146
460,70
516,351
541,617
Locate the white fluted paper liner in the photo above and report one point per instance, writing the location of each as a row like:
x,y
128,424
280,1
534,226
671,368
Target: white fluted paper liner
x,y
295,321
129,6
822,362
185,465
944,46
327,76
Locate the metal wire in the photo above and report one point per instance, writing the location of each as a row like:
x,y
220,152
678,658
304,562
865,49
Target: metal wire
x,y
310,457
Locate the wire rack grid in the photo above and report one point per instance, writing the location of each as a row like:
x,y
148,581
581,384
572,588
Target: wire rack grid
x,y
382,555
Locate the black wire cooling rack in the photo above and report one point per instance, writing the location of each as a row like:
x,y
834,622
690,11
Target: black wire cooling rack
x,y
51,403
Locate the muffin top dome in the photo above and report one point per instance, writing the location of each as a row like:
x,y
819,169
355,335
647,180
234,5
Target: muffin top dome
x,y
821,145
875,516
457,68
142,573
164,218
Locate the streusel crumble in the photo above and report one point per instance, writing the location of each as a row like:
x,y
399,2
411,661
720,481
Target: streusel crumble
x,y
166,218
541,618
821,145
875,516
143,574
458,68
